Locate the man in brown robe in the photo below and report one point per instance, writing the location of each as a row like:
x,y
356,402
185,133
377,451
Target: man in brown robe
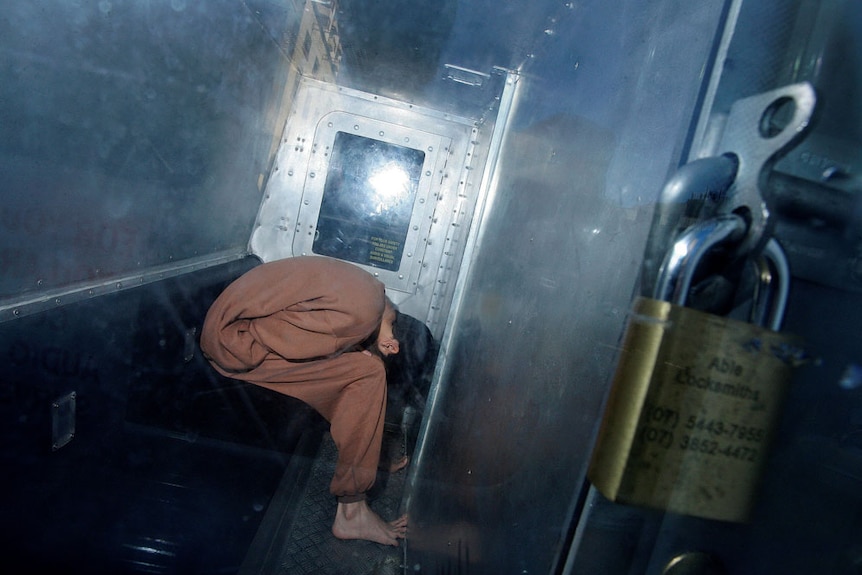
x,y
316,329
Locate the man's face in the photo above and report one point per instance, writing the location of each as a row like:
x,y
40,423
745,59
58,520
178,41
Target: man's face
x,y
386,342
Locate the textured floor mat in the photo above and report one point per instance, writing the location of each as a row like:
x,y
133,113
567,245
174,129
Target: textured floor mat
x,y
310,547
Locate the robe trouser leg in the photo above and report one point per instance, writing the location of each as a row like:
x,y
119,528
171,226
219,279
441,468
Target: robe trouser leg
x,y
350,392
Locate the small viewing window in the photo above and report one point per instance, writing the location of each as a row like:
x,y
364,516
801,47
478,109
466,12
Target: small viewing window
x,y
368,201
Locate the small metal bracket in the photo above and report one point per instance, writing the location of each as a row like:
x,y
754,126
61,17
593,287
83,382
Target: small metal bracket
x,y
63,420
759,130
190,344
466,76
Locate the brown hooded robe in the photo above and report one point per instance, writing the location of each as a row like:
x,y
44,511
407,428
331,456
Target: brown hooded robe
x,y
293,325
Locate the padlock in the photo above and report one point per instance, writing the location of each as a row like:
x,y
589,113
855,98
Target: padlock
x,y
696,397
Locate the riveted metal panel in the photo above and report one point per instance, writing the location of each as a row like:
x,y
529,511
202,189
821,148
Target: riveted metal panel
x,y
455,149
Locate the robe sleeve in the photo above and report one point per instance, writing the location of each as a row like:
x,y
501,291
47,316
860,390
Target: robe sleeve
x,y
297,308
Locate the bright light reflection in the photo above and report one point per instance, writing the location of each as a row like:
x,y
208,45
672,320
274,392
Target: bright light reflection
x,y
679,252
391,184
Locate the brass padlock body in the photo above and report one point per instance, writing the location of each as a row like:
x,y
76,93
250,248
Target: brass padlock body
x,y
693,406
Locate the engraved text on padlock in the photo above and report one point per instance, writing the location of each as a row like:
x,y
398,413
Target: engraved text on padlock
x,y
693,407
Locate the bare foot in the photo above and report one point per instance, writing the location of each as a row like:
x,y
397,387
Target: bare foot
x,y
358,521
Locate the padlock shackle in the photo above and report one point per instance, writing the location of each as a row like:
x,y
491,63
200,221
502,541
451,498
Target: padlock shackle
x,y
772,287
680,262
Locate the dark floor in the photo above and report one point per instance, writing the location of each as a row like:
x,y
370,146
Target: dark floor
x,y
156,506
295,536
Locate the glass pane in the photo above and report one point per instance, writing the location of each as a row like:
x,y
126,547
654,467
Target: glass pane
x,y
367,201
